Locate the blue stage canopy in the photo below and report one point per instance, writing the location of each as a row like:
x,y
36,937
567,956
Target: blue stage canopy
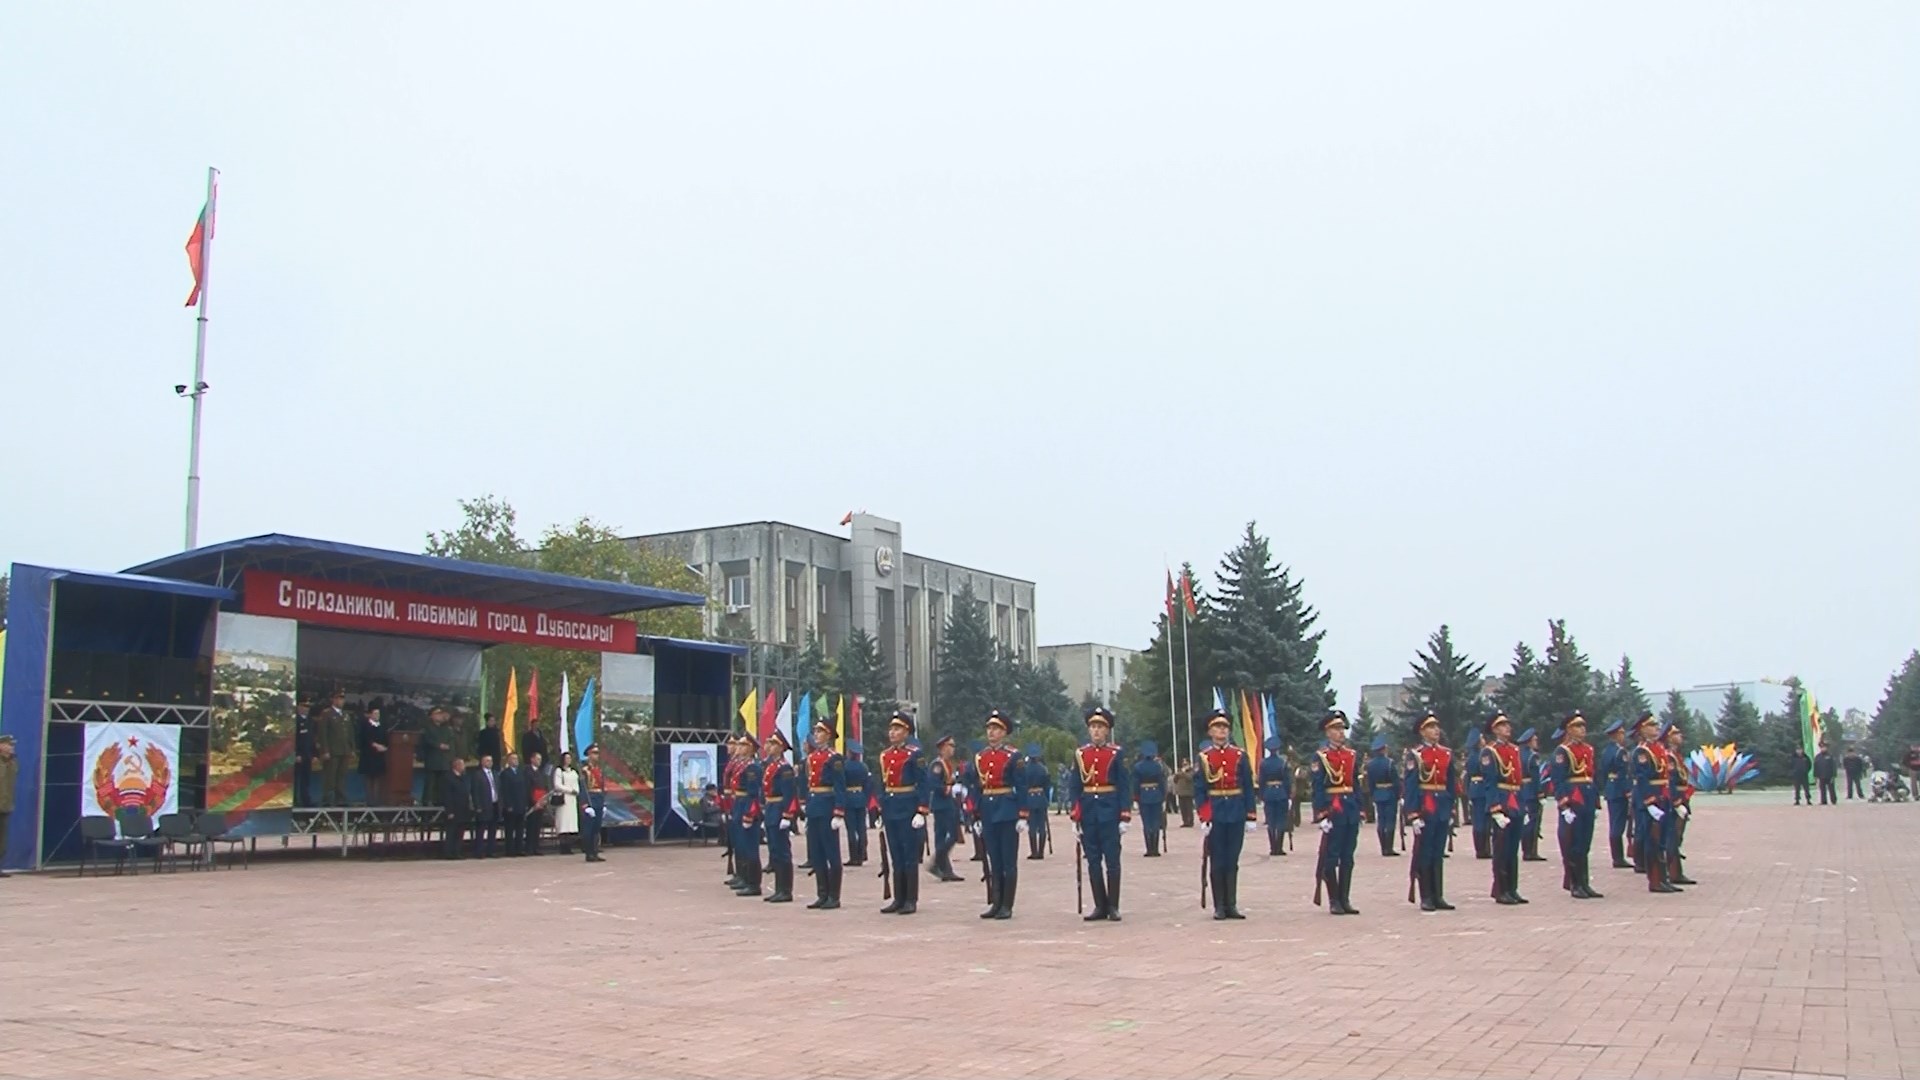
x,y
220,566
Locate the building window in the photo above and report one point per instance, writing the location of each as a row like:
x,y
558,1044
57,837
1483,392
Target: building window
x,y
1110,674
820,592
739,591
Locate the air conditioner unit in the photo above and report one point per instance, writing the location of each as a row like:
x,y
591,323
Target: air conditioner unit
x,y
735,609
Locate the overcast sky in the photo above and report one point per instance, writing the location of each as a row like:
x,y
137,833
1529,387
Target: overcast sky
x,y
1487,316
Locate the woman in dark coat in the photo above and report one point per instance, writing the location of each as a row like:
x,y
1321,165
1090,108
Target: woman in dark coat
x,y
373,756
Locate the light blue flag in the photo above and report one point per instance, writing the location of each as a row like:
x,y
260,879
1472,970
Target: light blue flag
x,y
803,722
583,722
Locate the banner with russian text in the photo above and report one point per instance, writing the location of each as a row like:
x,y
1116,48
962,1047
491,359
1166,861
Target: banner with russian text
x,y
393,611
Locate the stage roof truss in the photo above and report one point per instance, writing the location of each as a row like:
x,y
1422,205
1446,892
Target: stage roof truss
x,y
75,711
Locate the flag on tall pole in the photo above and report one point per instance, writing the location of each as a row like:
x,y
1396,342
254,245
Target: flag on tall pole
x,y
1173,710
200,260
856,731
565,700
840,724
509,711
1273,719
1170,601
1186,592
1186,649
199,246
533,698
1250,724
584,720
783,720
750,710
802,721
767,711
1812,725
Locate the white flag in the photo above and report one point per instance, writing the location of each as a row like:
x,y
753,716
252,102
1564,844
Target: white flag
x,y
564,724
783,721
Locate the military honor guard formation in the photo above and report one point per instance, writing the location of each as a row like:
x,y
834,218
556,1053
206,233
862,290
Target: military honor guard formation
x,y
922,807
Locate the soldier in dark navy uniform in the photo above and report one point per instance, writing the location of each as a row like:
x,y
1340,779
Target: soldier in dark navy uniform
x,y
969,808
1101,806
946,791
1652,803
1336,810
304,750
1002,814
1036,785
1478,819
1680,793
1615,786
904,805
744,816
1276,794
1150,790
1530,799
825,808
779,811
862,803
1383,790
1576,794
1223,791
1430,787
1503,776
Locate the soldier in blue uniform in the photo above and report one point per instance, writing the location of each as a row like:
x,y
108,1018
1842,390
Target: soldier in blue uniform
x,y
1002,814
1101,807
1652,803
860,804
946,792
1576,794
1477,818
1431,784
1150,789
744,817
780,808
1383,788
969,809
1036,784
1336,810
1509,793
825,809
1276,795
1530,762
1223,791
1614,787
904,802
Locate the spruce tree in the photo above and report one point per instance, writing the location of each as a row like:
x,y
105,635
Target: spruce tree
x,y
1363,729
865,673
1521,689
1625,700
1446,683
1738,722
1677,711
1896,722
1267,640
967,684
1566,680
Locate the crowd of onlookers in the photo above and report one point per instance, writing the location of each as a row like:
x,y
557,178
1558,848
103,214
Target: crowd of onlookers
x,y
1825,769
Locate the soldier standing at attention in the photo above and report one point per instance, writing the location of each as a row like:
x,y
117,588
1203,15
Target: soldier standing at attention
x,y
1037,783
1680,793
1223,788
825,810
437,756
1100,806
1002,816
1477,791
1530,798
1430,783
729,774
1383,786
1652,803
304,752
945,795
1336,808
1276,794
743,815
593,795
903,813
1183,786
1504,777
1575,791
1150,789
779,808
1614,785
334,733
861,801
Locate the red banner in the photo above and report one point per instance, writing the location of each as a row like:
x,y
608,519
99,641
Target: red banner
x,y
391,611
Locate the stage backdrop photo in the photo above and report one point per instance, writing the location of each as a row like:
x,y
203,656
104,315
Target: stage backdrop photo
x,y
694,767
130,766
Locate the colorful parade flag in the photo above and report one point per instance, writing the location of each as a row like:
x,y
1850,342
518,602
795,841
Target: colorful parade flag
x,y
1186,591
783,720
857,730
1170,598
1812,725
840,724
768,710
750,710
583,721
565,700
512,710
197,251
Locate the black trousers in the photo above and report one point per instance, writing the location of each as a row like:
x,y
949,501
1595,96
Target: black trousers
x,y
450,839
1854,790
513,828
484,833
1827,792
1801,787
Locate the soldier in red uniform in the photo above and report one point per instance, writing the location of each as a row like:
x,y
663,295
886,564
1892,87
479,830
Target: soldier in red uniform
x,y
729,775
1576,790
1098,791
1431,784
1223,788
903,804
1001,814
1504,778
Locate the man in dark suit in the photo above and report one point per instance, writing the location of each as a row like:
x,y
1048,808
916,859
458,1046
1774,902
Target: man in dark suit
x,y
1800,768
303,753
1824,769
514,804
484,789
456,802
488,741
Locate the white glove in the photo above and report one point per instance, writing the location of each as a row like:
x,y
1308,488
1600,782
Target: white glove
x,y
1020,826
1526,819
919,821
1418,825
1566,816
976,828
1499,819
1683,811
1326,825
837,824
1656,812
1206,827
588,810
785,825
958,791
1123,827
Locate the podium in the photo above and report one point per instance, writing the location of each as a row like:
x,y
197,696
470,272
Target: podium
x,y
400,753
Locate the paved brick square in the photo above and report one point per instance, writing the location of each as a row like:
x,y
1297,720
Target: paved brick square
x,y
1794,956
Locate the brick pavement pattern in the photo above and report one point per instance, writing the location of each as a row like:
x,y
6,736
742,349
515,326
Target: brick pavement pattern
x,y
1795,956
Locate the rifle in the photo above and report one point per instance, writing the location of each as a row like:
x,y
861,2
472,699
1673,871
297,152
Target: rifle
x,y
1206,858
1412,858
886,872
1320,868
1049,836
1079,870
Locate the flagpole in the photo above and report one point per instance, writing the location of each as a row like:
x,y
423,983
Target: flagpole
x,y
1173,710
199,389
1186,663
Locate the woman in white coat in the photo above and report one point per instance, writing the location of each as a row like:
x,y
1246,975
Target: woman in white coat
x,y
566,816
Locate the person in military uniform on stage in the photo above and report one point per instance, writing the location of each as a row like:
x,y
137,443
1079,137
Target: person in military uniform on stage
x,y
333,737
1336,811
305,750
1383,790
862,803
1100,803
1652,803
1037,785
1680,794
904,803
744,815
1002,814
1615,787
1509,794
945,794
1531,800
1223,792
825,810
1276,794
1431,784
1576,793
1478,819
1150,790
779,809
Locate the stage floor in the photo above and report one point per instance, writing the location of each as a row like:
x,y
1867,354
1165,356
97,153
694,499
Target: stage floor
x,y
1795,955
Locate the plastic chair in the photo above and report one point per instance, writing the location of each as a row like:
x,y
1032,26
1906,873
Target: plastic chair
x,y
212,827
177,831
137,828
97,833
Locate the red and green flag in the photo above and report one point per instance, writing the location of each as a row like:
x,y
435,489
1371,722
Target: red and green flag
x,y
197,252
1812,726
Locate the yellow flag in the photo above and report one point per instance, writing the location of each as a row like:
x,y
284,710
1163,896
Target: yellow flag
x,y
750,708
513,707
840,724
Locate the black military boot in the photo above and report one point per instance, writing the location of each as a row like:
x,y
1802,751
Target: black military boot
x,y
782,885
1530,847
1217,879
899,893
1586,880
1113,894
1033,844
1619,861
978,856
1675,874
1566,873
1098,885
910,881
1655,880
834,877
1482,845
993,901
1513,883
1346,891
1423,881
750,882
1153,843
1006,901
1273,838
1502,887
1231,880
